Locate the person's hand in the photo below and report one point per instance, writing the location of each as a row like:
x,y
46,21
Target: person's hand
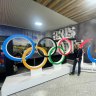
x,y
83,52
77,59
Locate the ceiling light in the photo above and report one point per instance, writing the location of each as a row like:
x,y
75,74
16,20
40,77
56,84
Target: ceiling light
x,y
91,1
38,23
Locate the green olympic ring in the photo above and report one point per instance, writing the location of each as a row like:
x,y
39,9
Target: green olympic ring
x,y
51,51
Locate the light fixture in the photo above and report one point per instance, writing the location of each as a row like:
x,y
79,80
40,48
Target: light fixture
x,y
38,23
91,1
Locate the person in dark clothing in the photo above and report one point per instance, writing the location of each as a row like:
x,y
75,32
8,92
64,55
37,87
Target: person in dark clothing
x,y
77,59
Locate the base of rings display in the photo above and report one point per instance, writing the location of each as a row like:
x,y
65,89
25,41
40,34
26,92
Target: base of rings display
x,y
57,66
36,72
23,81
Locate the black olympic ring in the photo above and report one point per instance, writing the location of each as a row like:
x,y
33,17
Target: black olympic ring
x,y
53,41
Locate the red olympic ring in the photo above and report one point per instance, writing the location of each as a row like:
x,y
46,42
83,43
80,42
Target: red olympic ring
x,y
70,46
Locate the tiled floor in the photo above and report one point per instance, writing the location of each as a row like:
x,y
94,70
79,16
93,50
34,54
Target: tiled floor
x,y
84,85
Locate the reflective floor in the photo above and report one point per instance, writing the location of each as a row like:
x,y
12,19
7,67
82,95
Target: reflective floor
x,y
83,85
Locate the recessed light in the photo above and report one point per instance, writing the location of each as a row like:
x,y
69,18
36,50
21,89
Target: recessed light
x,y
38,23
91,1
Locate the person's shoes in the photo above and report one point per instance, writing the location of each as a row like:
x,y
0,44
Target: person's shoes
x,y
78,74
71,73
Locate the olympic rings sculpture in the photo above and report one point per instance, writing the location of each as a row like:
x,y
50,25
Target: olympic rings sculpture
x,y
47,56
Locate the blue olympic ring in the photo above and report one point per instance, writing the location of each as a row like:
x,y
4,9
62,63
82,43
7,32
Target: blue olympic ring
x,y
5,43
89,55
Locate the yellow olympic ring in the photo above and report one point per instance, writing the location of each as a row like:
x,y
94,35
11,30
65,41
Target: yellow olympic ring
x,y
34,67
